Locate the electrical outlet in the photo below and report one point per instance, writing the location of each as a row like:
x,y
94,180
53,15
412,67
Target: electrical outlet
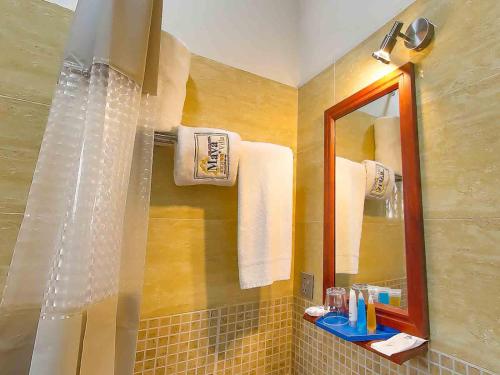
x,y
307,284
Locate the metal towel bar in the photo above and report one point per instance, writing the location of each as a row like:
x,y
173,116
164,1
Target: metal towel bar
x,y
165,138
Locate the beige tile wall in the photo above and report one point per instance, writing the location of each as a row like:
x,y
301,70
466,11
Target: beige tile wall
x,y
269,337
252,338
458,88
318,352
32,36
196,318
192,230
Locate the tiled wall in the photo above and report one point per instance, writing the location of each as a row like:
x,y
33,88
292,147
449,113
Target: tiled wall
x,y
252,338
32,36
458,139
267,338
317,352
192,228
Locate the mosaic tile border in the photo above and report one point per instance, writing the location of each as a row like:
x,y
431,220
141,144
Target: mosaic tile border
x,y
267,338
252,338
316,352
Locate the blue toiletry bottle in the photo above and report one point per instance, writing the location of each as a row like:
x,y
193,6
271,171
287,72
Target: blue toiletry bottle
x,y
361,326
383,296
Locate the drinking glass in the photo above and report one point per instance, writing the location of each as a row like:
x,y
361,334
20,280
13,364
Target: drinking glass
x,y
361,288
335,301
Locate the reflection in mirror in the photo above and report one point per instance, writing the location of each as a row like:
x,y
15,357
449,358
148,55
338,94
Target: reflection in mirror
x,y
369,222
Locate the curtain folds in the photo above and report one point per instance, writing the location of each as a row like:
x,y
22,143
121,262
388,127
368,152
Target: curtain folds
x,y
75,280
72,296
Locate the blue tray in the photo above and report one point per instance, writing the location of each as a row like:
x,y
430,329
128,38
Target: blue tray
x,y
339,326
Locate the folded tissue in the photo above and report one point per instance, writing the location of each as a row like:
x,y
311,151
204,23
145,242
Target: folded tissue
x,y
316,311
397,344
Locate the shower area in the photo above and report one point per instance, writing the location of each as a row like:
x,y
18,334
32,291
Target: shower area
x,y
80,296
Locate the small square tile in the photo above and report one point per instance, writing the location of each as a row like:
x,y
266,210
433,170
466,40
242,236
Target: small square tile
x,y
446,361
460,367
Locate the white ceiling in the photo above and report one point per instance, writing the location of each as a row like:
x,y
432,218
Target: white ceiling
x,y
331,28
289,41
259,36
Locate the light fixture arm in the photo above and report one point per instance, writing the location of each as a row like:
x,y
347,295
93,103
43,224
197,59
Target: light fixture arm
x,y
396,31
407,39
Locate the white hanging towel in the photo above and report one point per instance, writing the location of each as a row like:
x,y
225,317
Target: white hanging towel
x,y
175,61
206,156
380,180
265,199
388,143
350,182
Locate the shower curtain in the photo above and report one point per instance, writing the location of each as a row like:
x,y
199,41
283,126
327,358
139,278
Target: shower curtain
x,y
72,296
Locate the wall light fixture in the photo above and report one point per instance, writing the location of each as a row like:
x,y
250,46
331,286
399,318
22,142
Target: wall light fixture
x,y
418,36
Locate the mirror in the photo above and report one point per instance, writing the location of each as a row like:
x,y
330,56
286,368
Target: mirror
x,y
373,224
372,132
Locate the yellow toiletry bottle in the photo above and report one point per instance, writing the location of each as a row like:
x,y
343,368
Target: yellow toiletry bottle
x,y
371,318
395,297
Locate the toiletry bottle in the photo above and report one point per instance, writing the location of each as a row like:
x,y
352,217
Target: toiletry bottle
x,y
371,317
373,290
353,309
361,314
395,297
383,295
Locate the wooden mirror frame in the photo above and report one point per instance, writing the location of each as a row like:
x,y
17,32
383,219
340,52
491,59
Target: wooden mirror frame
x,y
415,319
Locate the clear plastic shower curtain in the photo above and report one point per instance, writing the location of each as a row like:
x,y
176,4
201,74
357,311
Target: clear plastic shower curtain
x,y
71,301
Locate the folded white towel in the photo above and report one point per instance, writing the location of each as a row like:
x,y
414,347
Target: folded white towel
x,y
397,344
380,181
206,156
350,182
388,143
175,61
265,199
